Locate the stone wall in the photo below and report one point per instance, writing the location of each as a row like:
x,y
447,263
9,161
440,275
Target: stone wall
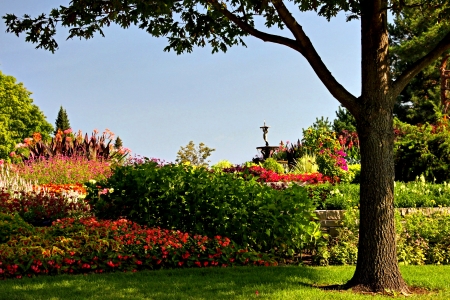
x,y
330,220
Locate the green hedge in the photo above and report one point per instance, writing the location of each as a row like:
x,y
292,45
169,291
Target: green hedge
x,y
198,201
411,194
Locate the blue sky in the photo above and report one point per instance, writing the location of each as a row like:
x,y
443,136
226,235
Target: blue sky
x,y
158,101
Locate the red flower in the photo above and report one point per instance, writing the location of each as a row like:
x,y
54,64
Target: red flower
x,y
198,264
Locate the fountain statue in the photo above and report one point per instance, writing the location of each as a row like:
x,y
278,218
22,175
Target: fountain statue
x,y
266,150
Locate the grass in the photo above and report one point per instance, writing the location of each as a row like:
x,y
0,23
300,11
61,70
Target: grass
x,y
216,283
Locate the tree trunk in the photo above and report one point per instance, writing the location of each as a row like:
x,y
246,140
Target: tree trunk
x,y
377,266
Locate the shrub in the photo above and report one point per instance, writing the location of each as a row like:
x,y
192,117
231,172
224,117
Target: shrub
x,y
88,245
272,165
321,141
422,150
202,202
222,164
63,169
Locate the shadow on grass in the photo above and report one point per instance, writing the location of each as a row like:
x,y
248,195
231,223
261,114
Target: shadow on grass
x,y
208,283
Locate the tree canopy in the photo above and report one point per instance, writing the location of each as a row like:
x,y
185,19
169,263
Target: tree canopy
x,y
19,117
225,23
411,32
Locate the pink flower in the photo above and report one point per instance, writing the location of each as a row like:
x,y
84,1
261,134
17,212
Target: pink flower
x,y
67,131
12,154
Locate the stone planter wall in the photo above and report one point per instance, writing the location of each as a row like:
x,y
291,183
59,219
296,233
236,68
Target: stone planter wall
x,y
330,220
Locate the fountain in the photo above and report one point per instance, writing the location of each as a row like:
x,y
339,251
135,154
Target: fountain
x,y
266,150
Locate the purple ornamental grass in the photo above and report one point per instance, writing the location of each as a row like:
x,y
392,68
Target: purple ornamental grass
x,y
63,170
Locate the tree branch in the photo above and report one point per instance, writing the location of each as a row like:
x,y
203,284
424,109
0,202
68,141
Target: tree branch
x,y
335,88
400,83
266,37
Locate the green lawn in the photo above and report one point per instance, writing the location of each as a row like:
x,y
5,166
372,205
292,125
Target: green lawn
x,y
215,283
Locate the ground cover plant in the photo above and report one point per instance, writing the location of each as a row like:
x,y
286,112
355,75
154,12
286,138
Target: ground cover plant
x,y
88,245
200,201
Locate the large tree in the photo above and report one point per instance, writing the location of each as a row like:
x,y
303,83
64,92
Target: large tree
x,y
410,31
224,23
19,117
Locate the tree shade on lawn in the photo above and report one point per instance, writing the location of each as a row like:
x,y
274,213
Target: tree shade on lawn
x,y
223,24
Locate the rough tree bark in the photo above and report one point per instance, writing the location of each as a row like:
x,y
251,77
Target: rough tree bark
x,y
377,266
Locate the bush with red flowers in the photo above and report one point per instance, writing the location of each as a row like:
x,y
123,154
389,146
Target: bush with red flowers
x,y
89,245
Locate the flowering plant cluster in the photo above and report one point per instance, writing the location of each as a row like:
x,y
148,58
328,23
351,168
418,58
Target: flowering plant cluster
x,y
62,189
264,175
89,245
328,150
65,143
40,207
349,142
60,169
271,176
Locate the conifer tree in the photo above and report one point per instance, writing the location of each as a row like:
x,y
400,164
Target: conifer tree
x,y
62,121
118,143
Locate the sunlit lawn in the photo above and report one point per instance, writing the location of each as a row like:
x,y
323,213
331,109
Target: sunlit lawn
x,y
215,283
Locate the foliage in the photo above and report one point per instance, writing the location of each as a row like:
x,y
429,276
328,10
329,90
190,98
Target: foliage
x,y
417,193
62,121
88,245
118,144
63,169
221,164
67,145
19,117
41,207
421,239
422,150
411,35
194,156
305,164
344,121
11,224
320,140
272,165
342,249
198,201
355,171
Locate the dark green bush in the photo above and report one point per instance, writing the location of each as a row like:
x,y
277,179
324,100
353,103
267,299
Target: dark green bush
x,y
422,149
198,201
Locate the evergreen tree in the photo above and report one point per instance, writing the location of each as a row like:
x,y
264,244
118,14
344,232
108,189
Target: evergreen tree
x,y
410,35
344,121
118,143
62,121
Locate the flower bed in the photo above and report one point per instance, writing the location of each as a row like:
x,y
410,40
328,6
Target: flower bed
x,y
264,175
89,245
